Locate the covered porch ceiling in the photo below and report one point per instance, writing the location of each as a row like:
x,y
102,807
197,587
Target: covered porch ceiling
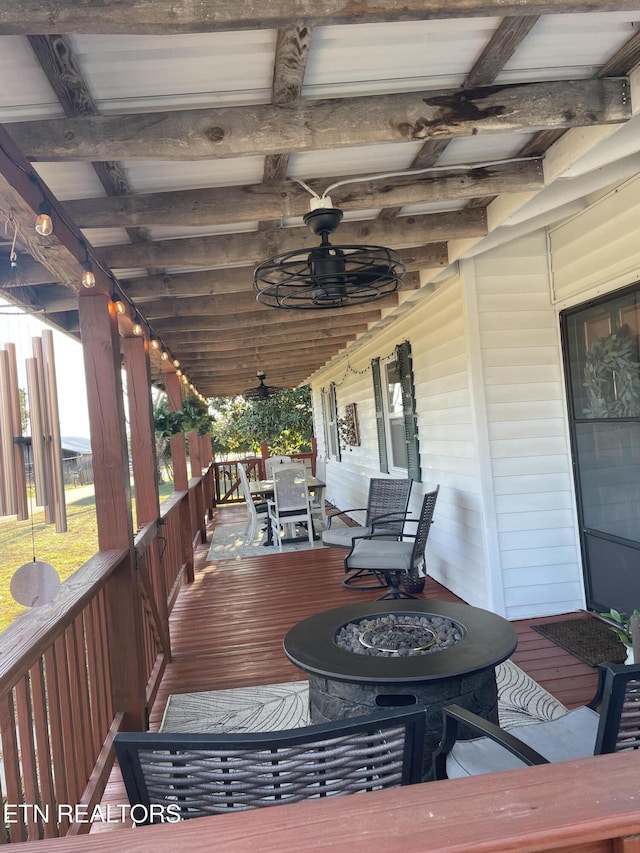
x,y
172,138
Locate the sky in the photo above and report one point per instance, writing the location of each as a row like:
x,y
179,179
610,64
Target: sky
x,y
20,329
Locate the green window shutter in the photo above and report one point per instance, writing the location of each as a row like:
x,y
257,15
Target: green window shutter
x,y
380,417
405,371
325,420
333,420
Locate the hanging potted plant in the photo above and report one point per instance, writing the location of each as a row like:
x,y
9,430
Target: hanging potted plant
x,y
620,624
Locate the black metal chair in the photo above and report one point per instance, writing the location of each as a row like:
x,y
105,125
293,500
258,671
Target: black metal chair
x,y
577,734
207,774
386,512
393,559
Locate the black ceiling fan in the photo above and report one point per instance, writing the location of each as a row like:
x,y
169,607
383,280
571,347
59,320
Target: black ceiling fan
x,y
328,276
262,391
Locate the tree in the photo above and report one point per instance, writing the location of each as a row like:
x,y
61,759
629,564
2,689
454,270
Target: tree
x,y
284,420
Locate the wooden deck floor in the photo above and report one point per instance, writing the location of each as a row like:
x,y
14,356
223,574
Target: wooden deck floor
x,y
227,627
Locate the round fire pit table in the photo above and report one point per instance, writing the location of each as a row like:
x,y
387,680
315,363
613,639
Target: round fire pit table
x,y
343,683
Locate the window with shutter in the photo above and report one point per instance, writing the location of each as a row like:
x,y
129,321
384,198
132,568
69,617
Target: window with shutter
x,y
396,423
410,421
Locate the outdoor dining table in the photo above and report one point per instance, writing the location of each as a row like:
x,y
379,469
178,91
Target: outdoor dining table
x,y
264,489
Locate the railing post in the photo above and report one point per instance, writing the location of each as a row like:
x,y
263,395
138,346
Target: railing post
x,y
314,454
264,455
101,350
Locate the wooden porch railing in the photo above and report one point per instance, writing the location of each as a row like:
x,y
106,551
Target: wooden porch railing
x,y
227,479
59,673
586,806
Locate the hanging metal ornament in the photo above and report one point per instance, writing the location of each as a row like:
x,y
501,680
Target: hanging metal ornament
x,y
35,583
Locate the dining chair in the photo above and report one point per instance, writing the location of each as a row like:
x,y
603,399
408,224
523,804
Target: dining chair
x,y
393,559
577,734
318,503
211,774
271,461
256,510
290,503
386,512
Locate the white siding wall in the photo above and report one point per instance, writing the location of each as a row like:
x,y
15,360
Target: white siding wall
x,y
530,490
491,409
435,327
598,250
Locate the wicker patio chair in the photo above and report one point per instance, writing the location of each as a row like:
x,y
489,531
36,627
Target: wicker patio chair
x,y
386,512
394,559
208,774
577,734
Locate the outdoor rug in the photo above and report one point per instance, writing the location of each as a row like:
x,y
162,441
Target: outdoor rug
x,y
228,543
587,639
273,707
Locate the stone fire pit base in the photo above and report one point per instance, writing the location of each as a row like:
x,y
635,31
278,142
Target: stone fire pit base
x,y
330,699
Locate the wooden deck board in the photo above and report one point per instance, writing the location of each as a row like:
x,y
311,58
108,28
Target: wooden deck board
x,y
227,628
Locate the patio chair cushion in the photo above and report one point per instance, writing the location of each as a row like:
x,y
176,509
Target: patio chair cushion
x,y
381,554
342,537
566,738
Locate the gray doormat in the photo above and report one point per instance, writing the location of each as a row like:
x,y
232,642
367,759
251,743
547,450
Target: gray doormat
x,y
588,639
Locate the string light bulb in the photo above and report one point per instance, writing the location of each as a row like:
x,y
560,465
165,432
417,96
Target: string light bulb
x,y
137,327
154,343
88,278
121,308
165,355
185,379
176,363
44,222
178,372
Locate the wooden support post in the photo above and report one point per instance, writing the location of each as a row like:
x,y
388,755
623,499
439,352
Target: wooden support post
x,y
144,460
180,479
101,349
206,458
195,462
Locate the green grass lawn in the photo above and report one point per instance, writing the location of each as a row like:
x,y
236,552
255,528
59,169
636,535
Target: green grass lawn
x,y
65,551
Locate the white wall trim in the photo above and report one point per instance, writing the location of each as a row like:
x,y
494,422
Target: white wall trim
x,y
491,547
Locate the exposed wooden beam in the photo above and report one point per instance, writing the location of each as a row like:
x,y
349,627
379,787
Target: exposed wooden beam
x,y
502,45
252,248
240,279
225,205
497,52
298,341
56,57
164,17
316,125
623,60
311,329
292,51
235,362
21,193
281,320
233,305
